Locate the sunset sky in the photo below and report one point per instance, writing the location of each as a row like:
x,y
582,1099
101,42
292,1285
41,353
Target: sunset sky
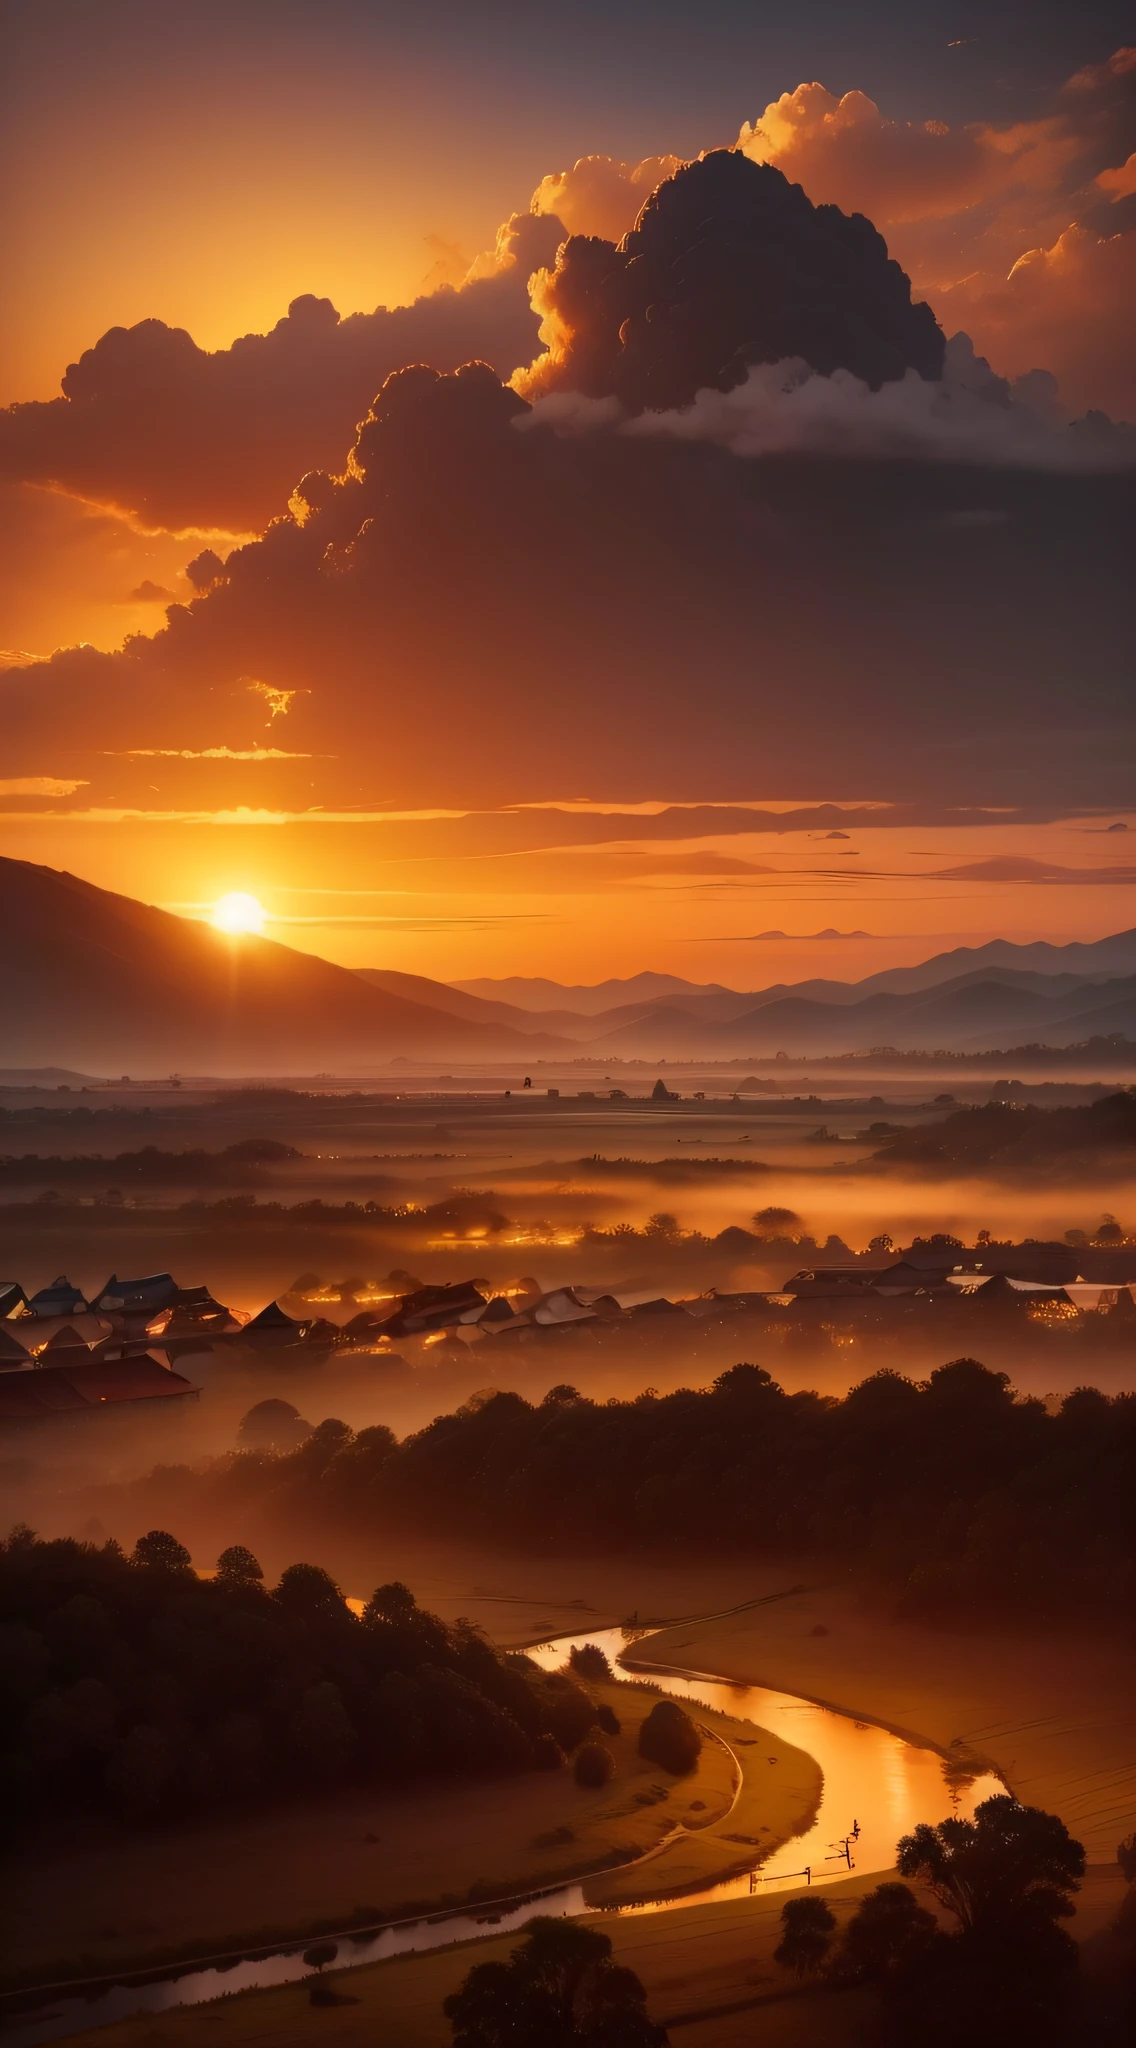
x,y
559,673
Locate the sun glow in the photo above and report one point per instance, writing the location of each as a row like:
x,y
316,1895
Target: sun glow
x,y
238,913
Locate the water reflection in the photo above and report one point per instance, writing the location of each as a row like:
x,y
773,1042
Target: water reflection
x,y
873,1780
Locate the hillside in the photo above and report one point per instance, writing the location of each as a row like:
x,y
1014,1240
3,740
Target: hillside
x,y
102,982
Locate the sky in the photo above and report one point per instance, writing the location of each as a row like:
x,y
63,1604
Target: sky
x,y
770,535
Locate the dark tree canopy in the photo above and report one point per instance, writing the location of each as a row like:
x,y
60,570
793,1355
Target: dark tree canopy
x,y
669,1737
560,1989
960,1497
132,1688
808,1925
1008,1876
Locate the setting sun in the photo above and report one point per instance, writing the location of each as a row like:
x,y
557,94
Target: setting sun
x,y
238,913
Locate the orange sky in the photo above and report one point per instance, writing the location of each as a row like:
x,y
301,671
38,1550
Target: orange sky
x,y
572,915
205,169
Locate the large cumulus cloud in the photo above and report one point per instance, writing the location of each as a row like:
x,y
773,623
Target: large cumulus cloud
x,y
474,612
152,424
728,265
978,215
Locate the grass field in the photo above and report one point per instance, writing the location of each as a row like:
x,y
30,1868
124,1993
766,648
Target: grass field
x,y
708,1970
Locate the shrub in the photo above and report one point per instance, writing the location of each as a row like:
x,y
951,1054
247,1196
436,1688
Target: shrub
x,y
669,1737
808,1928
547,1753
607,1719
593,1765
589,1661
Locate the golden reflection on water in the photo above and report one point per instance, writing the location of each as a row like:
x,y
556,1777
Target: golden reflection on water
x,y
872,1778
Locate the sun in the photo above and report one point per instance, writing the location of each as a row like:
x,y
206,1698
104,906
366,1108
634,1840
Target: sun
x,y
238,913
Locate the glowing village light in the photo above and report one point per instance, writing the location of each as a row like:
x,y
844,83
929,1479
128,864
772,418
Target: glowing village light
x,y
238,912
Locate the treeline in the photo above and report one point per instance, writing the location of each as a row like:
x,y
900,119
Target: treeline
x,y
131,1688
198,1167
963,1500
1002,1136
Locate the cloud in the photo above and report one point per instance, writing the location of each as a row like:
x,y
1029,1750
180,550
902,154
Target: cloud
x,y
178,437
38,785
728,265
1072,306
968,417
151,593
472,615
600,195
960,207
1003,228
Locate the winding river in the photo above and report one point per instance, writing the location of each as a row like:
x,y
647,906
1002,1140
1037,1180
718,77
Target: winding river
x,y
874,1783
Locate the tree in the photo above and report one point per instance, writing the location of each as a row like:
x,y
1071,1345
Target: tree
x,y
808,1925
237,1567
272,1426
669,1737
1126,1857
559,1988
593,1765
774,1221
1007,1877
306,1589
888,1930
161,1552
394,1603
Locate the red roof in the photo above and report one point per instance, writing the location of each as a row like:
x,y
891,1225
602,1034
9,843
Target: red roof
x,y
55,1389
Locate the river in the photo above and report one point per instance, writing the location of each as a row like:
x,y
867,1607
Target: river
x,y
874,1781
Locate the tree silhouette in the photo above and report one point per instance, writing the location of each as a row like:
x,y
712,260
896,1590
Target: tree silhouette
x,y
160,1551
1007,1877
888,1930
669,1737
559,1988
808,1925
237,1566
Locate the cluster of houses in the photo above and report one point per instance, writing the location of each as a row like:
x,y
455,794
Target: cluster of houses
x,y
63,1354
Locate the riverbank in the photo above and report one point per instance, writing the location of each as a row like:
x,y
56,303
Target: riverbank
x,y
369,1855
708,1970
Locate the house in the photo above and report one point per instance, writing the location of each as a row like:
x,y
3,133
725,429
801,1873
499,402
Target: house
x,y
60,1299
273,1327
77,1390
137,1297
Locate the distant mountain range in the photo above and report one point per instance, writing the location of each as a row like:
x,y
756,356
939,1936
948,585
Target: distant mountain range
x,y
98,981
968,999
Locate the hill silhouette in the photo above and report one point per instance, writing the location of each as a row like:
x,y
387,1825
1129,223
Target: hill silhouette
x,y
102,982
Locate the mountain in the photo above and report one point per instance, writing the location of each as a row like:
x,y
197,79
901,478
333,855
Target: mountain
x,y
454,1001
534,992
971,1011
103,982
1114,955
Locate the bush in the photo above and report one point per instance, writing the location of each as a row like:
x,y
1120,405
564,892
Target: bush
x,y
607,1719
568,1711
593,1765
589,1661
547,1753
808,1926
669,1737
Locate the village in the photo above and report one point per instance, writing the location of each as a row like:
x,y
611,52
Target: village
x,y
152,1341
